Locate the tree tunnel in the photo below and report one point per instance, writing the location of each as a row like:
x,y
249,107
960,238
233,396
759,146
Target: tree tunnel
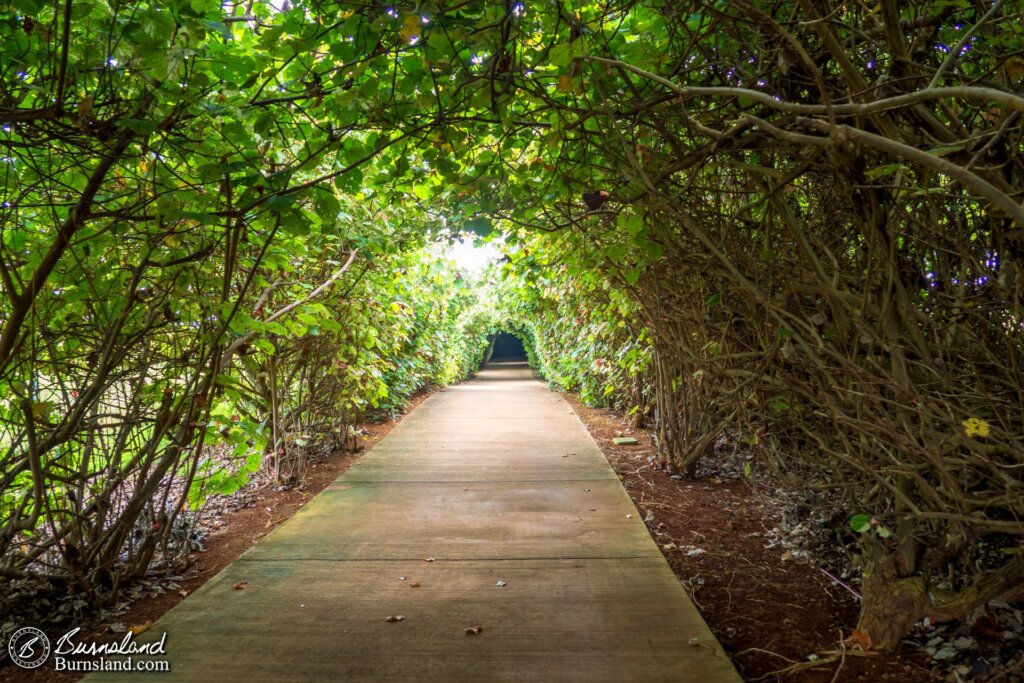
x,y
827,294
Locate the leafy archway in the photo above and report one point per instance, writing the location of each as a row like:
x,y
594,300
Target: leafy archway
x,y
793,222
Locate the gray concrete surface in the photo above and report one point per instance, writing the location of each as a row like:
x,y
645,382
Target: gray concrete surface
x,y
495,479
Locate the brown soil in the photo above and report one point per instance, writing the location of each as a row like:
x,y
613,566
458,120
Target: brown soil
x,y
767,612
240,530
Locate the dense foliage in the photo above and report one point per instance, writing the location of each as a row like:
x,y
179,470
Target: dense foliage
x,y
795,221
816,212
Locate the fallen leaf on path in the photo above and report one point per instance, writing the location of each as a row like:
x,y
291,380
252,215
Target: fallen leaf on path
x,y
241,585
429,559
502,584
401,578
141,628
474,630
695,641
414,584
393,618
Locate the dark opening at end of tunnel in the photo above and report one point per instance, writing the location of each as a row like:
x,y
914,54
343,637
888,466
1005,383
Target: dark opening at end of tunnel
x,y
508,348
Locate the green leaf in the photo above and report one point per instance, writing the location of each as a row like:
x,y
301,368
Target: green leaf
x,y
28,7
80,10
265,345
140,126
860,523
563,54
278,202
351,181
480,225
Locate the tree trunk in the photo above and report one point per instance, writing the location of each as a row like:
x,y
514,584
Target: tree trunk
x,y
892,604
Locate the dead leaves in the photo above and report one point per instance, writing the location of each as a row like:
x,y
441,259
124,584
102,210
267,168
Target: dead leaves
x,y
859,639
471,631
414,584
241,585
988,628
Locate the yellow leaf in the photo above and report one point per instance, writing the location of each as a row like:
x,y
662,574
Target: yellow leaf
x,y
141,628
975,426
40,409
410,28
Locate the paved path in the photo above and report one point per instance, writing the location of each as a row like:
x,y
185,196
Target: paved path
x,y
495,479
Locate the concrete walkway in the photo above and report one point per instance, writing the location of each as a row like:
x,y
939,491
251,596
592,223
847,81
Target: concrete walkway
x,y
493,480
